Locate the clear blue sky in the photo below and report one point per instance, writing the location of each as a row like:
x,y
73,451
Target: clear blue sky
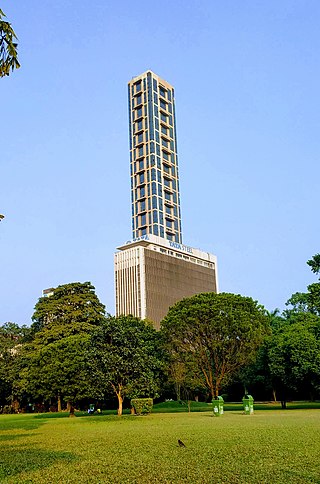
x,y
246,76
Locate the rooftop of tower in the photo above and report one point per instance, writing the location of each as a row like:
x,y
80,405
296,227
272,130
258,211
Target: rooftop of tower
x,y
149,71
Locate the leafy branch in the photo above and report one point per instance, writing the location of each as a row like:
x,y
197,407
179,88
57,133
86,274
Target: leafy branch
x,y
8,48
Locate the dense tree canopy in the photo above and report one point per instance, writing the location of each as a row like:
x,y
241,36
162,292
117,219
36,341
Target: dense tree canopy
x,y
220,332
126,358
8,47
12,338
54,364
294,356
71,308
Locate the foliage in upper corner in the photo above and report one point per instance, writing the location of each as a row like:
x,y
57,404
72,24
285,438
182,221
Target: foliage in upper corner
x,y
8,48
307,302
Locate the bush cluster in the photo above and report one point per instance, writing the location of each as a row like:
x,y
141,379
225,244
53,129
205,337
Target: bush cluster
x,y
142,406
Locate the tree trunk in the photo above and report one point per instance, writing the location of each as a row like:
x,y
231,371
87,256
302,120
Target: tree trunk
x,y
59,403
274,394
120,401
69,405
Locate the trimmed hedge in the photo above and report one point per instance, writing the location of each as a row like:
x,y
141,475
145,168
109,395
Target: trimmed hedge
x,y
142,406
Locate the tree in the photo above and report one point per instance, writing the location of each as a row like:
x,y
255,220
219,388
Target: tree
x,y
12,338
309,301
293,355
57,371
73,307
8,47
220,332
55,363
314,263
126,358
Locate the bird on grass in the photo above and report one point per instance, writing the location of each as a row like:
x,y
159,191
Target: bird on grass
x,y
181,444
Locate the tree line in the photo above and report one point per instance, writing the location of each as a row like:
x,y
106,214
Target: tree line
x,y
74,353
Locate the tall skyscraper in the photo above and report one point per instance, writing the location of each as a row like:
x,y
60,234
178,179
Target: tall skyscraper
x,y
153,158
155,270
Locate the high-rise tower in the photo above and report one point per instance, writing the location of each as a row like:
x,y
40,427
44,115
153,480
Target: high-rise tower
x,y
153,158
155,269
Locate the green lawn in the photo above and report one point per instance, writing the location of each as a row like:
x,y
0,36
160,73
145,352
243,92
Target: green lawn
x,y
267,447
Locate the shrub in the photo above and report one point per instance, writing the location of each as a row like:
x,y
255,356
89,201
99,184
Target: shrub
x,y
142,406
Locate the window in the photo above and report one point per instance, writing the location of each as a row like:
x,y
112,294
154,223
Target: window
x,y
165,156
154,189
142,206
139,126
143,219
166,169
138,100
155,216
169,223
167,196
142,192
138,113
139,138
141,178
167,182
155,98
138,86
143,231
162,91
141,164
140,151
168,210
153,174
163,104
164,117
154,202
164,130
164,143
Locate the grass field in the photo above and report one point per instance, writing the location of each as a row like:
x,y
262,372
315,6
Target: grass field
x,y
268,447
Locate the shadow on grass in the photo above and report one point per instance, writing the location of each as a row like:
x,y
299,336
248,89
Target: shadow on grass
x,y
7,438
293,476
21,423
15,460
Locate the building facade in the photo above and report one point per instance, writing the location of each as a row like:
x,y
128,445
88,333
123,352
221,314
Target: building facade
x,y
151,274
155,270
153,158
